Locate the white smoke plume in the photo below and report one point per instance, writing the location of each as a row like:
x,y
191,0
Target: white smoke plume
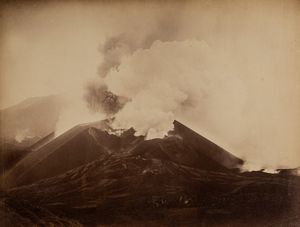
x,y
204,88
165,28
171,80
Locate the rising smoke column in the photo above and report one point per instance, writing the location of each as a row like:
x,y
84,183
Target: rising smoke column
x,y
114,48
98,101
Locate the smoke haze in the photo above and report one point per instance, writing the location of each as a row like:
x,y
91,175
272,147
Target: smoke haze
x,y
229,70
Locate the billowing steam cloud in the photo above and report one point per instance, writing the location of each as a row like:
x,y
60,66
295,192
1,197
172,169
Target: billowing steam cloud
x,y
172,80
204,88
114,49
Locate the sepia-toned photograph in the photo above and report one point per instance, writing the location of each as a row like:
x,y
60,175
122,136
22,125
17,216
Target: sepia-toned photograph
x,y
150,113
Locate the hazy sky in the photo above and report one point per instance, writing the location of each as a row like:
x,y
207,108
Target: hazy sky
x,y
251,100
46,45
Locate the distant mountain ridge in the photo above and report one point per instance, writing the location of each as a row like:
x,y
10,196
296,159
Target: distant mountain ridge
x,y
34,117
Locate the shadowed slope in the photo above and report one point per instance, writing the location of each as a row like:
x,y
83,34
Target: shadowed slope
x,y
70,150
186,147
146,189
206,147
